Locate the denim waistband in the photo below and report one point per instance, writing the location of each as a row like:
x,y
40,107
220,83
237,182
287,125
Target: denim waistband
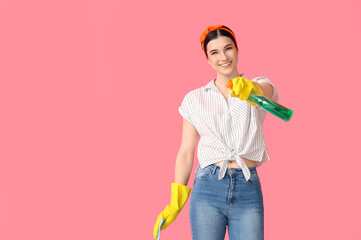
x,y
216,169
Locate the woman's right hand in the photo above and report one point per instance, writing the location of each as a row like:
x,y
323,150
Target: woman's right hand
x,y
179,196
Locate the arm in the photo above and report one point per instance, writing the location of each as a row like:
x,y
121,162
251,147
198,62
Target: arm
x,y
180,191
267,89
185,157
241,88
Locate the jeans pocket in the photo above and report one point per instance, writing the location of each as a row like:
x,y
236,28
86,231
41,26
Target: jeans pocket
x,y
203,174
254,180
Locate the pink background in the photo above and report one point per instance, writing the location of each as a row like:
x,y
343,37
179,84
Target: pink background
x,y
90,127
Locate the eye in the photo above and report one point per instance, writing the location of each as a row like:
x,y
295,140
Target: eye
x,y
213,53
228,48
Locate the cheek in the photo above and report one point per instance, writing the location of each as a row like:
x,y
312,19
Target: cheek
x,y
214,65
235,57
211,61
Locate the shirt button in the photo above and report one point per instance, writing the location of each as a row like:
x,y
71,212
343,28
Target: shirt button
x,y
230,171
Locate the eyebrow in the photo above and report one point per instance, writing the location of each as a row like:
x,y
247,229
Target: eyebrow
x,y
224,47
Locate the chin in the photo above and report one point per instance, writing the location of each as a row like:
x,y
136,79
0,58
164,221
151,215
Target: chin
x,y
228,71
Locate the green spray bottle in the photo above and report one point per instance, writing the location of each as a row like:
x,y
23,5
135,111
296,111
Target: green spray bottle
x,y
268,105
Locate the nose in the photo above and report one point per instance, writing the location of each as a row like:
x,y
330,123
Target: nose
x,y
224,56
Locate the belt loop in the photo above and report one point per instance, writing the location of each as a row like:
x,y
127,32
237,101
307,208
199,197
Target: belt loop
x,y
214,170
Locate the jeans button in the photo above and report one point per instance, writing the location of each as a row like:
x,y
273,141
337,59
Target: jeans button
x,y
230,171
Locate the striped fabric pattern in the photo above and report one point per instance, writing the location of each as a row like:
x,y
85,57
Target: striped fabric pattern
x,y
228,130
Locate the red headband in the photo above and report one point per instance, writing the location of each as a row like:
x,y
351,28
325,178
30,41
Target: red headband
x,y
212,28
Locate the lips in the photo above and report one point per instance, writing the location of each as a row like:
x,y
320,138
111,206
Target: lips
x,y
226,64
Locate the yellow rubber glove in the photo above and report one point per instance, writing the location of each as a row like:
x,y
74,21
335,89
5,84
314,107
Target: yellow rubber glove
x,y
241,87
179,197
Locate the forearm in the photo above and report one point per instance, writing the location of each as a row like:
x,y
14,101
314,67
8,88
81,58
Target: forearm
x,y
183,168
267,89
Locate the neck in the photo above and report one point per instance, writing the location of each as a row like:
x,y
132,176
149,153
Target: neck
x,y
222,80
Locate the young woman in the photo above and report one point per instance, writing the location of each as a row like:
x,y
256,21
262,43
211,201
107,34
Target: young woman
x,y
226,189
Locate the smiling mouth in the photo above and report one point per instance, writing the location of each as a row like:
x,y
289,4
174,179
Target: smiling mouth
x,y
226,64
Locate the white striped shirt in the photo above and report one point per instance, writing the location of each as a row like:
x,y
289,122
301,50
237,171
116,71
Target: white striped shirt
x,y
229,130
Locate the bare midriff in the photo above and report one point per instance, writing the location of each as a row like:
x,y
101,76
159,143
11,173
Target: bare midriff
x,y
234,164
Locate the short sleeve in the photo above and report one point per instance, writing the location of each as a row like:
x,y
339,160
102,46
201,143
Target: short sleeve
x,y
186,108
264,79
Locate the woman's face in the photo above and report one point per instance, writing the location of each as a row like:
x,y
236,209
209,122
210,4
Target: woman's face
x,y
223,55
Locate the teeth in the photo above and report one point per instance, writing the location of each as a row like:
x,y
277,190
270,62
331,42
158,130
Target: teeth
x,y
226,64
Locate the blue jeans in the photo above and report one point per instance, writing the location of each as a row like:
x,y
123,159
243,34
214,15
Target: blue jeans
x,y
232,201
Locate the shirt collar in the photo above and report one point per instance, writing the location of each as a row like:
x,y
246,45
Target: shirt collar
x,y
211,85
